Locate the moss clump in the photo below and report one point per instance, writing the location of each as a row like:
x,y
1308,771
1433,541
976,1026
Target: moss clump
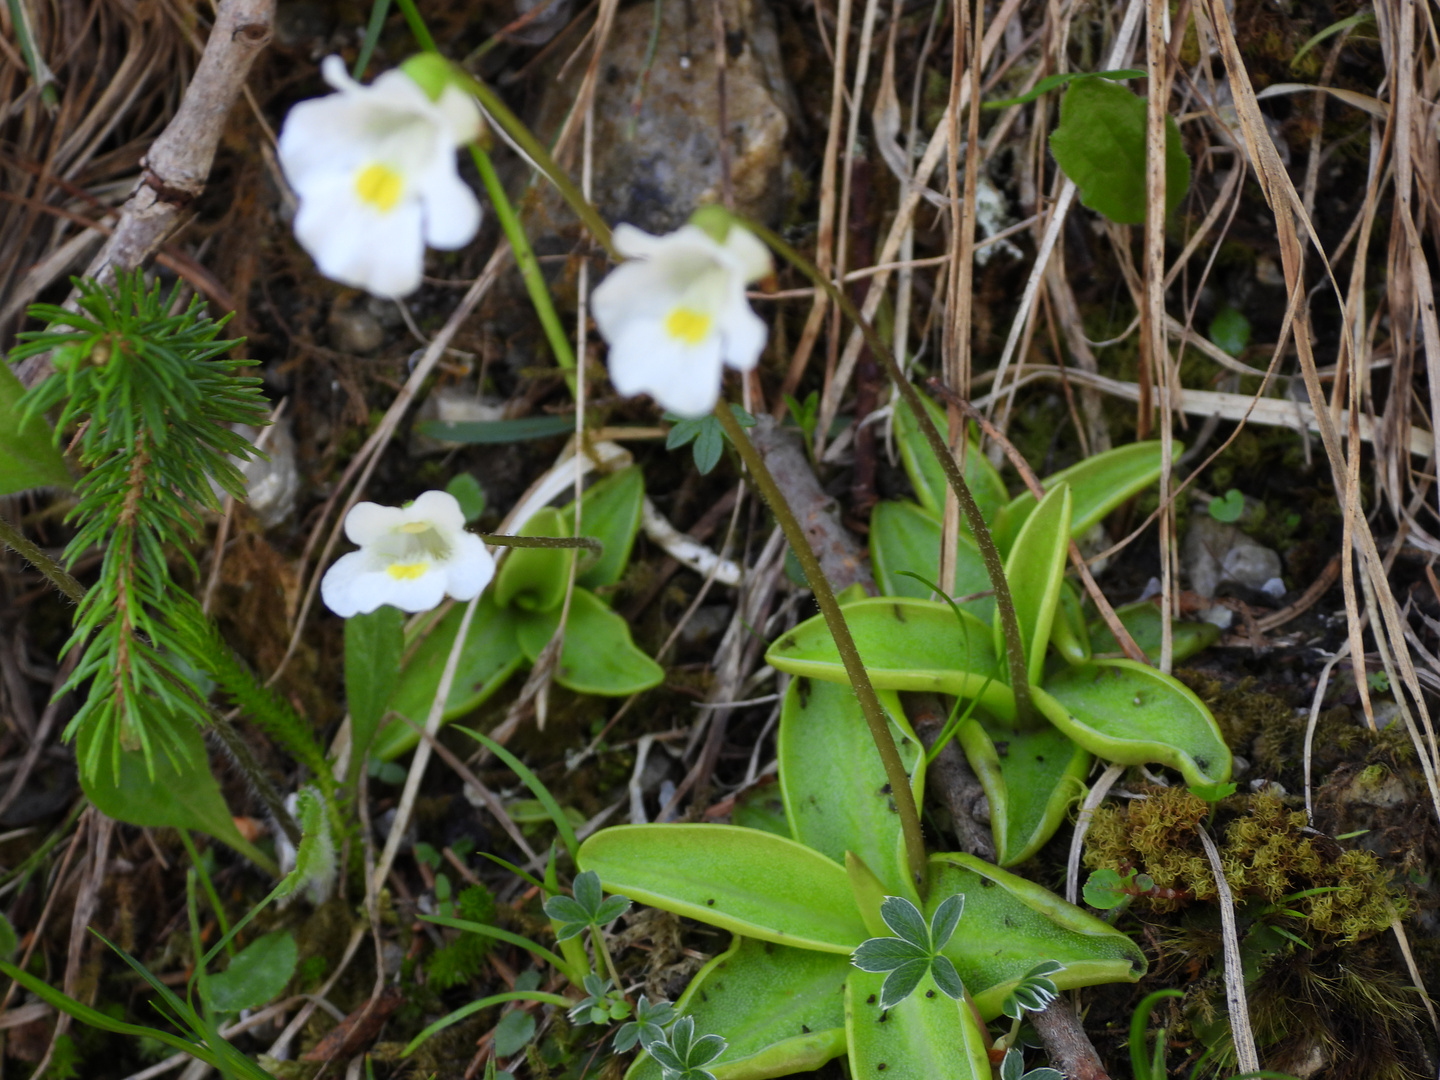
x,y
1268,857
1155,835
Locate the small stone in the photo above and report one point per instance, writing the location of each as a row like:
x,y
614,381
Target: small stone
x,y
1217,554
708,622
653,166
353,329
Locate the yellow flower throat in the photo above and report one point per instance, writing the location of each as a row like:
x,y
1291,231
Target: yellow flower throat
x,y
379,186
687,325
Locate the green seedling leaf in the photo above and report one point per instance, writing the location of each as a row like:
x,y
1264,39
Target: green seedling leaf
x,y
539,790
489,656
1358,19
806,414
256,975
1229,507
28,458
373,645
1098,485
1035,567
469,494
1044,86
1133,714
836,795
495,432
1068,633
905,539
1142,619
1230,330
1106,888
218,1053
748,882
926,1036
906,645
928,478
8,939
1100,143
1029,787
535,579
575,976
610,512
1140,1061
1035,922
471,1008
782,1009
706,434
182,793
516,1028
599,656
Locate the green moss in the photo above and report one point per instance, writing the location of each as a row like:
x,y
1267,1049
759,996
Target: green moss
x,y
1268,857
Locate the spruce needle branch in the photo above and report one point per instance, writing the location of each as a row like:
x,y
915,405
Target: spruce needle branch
x,y
835,619
14,539
994,567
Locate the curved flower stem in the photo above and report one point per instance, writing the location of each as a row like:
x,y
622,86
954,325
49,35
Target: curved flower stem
x,y
501,114
535,150
994,567
875,719
525,260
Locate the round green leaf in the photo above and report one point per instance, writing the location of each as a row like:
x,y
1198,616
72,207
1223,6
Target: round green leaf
x,y
535,579
1132,714
748,882
1100,143
599,656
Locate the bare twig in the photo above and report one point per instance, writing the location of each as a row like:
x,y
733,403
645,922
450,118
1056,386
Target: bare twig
x,y
178,163
1067,1044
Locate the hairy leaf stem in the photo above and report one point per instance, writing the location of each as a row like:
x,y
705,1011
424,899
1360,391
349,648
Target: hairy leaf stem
x,y
14,539
588,543
994,567
835,619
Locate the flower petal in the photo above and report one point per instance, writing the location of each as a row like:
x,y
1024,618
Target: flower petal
x,y
440,509
460,113
636,290
744,332
452,212
685,381
338,588
352,244
750,255
367,522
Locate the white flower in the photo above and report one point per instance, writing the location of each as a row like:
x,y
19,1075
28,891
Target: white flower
x,y
410,557
374,170
676,313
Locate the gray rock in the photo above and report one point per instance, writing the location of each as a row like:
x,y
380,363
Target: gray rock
x,y
353,329
653,167
1217,554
